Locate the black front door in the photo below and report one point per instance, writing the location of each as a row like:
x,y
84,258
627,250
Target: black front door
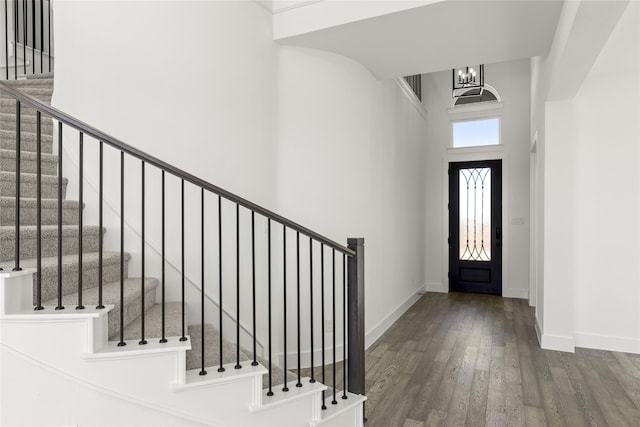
x,y
475,227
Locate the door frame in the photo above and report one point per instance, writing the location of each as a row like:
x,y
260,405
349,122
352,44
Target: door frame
x,y
470,154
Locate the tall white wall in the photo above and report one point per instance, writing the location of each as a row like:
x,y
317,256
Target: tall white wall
x,y
511,80
351,152
587,137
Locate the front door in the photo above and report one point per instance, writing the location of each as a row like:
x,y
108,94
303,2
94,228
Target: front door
x,y
475,227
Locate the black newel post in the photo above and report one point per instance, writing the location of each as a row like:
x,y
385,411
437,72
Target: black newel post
x,y
355,277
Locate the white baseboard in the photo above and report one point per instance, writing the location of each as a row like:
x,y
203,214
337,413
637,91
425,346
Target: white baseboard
x,y
538,329
515,293
558,343
370,337
607,342
437,287
376,332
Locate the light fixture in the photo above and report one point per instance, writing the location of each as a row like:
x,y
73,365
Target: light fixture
x,y
467,81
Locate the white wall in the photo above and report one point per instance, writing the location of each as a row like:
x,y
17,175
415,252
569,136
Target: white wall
x,y
511,80
589,195
606,212
350,154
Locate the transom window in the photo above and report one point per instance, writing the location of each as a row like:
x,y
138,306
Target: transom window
x,y
475,133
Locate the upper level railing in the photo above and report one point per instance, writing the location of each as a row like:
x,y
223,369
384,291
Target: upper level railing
x,y
342,290
415,82
27,47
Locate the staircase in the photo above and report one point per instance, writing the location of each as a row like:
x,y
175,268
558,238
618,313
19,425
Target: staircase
x,y
94,364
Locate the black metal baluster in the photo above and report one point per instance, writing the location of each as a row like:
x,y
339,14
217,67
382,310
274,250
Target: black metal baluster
x,y
183,336
24,35
33,36
18,150
143,240
80,222
284,297
41,36
270,392
324,406
122,343
38,211
238,366
221,368
60,306
202,341
344,326
6,36
164,338
298,384
100,236
333,328
313,379
49,38
15,40
253,281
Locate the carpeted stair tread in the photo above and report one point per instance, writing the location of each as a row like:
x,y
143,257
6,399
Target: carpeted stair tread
x,y
40,92
25,137
212,348
28,123
153,322
28,162
28,212
32,80
229,352
70,267
111,296
49,242
31,145
28,183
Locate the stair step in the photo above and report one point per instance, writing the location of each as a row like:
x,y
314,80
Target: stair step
x,y
41,92
28,145
153,322
111,296
27,123
212,348
28,211
27,139
28,182
110,272
28,162
8,105
31,81
49,245
346,412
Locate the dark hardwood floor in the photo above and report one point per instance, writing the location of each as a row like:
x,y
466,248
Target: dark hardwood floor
x,y
474,360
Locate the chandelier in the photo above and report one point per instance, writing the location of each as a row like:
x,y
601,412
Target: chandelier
x,y
467,81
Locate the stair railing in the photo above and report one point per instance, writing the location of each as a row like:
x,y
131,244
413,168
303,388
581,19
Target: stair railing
x,y
347,281
27,47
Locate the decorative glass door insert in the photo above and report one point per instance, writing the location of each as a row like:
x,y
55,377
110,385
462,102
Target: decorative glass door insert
x,y
475,214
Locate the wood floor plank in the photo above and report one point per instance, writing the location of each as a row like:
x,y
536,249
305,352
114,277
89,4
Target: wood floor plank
x,y
476,413
534,417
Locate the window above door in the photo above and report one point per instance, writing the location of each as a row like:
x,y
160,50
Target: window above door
x,y
475,132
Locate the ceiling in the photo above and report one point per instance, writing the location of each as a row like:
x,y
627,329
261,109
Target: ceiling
x,y
442,35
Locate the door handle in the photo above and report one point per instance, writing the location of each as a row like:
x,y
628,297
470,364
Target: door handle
x,y
498,232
